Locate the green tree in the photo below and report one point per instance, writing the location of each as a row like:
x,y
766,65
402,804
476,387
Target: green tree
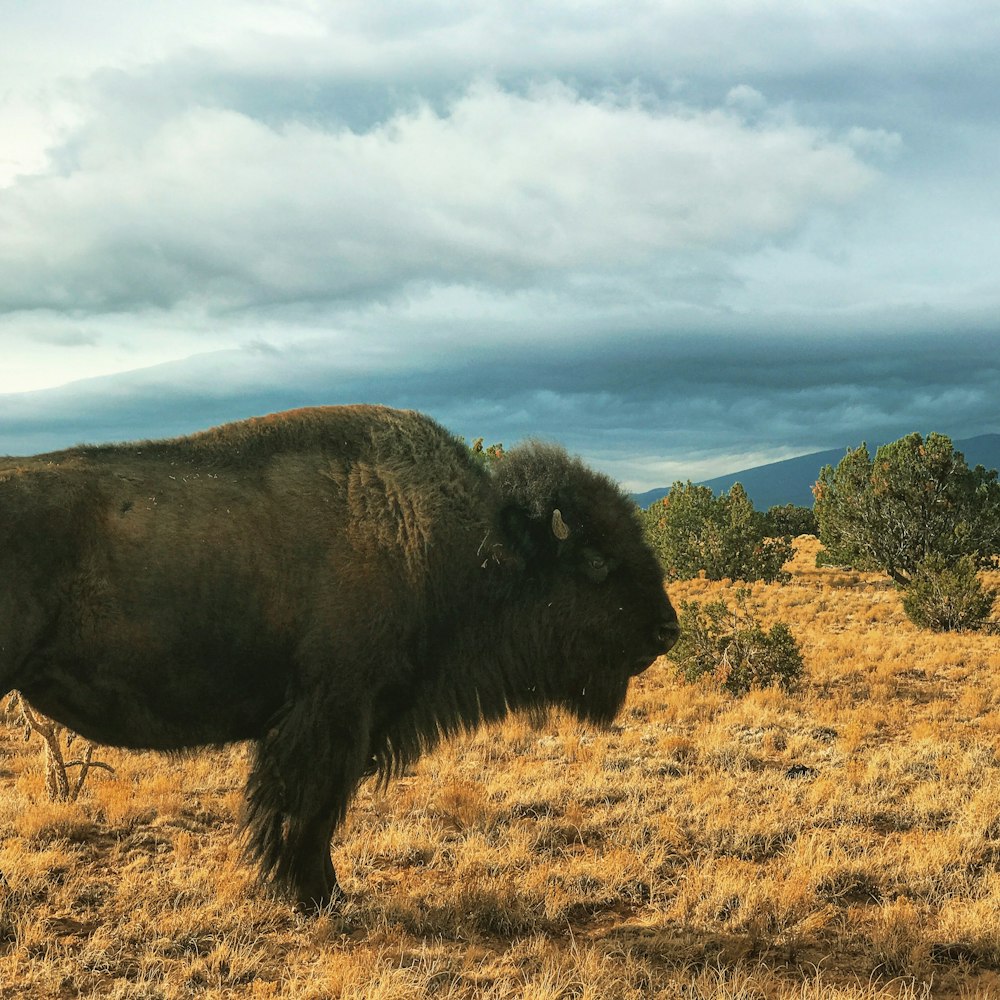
x,y
915,499
676,527
692,530
790,520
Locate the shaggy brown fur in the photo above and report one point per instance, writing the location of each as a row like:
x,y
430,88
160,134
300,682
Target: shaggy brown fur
x,y
341,585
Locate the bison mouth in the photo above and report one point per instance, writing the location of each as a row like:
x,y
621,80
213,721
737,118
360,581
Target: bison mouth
x,y
662,639
646,659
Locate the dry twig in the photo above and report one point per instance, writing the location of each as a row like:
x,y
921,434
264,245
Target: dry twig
x,y
57,781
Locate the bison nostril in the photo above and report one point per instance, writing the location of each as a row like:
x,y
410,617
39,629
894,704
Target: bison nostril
x,y
668,634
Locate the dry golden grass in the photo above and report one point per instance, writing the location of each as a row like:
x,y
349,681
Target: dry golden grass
x,y
674,857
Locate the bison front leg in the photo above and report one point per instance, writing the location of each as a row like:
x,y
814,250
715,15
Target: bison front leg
x,y
303,777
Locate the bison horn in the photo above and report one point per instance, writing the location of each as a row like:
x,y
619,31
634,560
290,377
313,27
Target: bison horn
x,y
559,527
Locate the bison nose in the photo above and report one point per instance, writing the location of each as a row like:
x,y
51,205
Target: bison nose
x,y
668,634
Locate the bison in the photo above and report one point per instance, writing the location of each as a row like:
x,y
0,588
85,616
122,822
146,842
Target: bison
x,y
341,586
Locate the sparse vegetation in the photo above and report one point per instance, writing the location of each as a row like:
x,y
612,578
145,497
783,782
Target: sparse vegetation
x,y
836,842
693,531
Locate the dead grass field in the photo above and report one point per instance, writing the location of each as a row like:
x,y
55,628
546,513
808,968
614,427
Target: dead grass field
x,y
677,856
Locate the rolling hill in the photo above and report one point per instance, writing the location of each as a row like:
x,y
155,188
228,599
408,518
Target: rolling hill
x,y
790,481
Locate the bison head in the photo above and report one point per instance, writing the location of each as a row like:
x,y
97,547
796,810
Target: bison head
x,y
596,605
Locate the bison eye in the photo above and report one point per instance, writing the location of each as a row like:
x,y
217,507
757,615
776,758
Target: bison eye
x,y
595,565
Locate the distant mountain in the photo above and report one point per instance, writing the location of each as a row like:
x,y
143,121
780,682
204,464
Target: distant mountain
x,y
791,481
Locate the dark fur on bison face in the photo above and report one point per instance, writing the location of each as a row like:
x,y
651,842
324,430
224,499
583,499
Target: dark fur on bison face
x,y
597,599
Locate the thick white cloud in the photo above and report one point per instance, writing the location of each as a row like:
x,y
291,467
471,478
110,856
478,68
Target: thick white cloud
x,y
501,189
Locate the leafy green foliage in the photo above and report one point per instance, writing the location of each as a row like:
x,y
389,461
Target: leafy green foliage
x,y
917,498
947,596
486,454
732,646
692,530
790,520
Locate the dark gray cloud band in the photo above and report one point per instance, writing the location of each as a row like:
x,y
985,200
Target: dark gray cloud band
x,y
639,408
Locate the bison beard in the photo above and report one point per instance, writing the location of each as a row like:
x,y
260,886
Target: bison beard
x,y
343,586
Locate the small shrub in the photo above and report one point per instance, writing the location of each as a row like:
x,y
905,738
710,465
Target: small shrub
x,y
486,454
732,646
947,596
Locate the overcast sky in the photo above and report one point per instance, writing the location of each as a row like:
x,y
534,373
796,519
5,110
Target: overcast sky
x,y
682,238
